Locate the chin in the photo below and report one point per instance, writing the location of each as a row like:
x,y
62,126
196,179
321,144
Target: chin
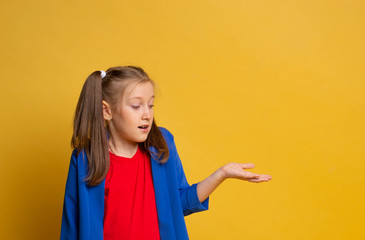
x,y
141,140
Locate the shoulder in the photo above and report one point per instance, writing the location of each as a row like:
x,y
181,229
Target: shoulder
x,y
79,158
169,138
77,154
164,131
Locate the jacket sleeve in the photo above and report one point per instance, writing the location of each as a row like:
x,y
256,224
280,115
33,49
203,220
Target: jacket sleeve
x,y
188,194
69,228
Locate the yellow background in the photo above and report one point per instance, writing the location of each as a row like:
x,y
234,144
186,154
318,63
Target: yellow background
x,y
276,83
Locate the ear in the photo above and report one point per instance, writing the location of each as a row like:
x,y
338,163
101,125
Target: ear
x,y
107,114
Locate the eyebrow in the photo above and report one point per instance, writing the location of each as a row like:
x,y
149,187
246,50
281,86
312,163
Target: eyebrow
x,y
141,97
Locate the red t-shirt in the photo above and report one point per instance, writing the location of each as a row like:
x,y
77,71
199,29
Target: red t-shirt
x,y
130,207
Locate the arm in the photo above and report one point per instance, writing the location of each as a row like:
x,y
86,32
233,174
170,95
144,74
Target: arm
x,y
230,170
69,228
188,193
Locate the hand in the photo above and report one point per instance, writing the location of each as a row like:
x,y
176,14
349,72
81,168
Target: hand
x,y
230,170
236,170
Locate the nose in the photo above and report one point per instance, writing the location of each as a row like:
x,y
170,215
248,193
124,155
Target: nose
x,y
147,113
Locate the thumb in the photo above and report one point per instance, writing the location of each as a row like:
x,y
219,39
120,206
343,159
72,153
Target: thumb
x,y
247,165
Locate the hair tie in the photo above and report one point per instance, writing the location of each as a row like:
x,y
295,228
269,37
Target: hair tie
x,y
102,73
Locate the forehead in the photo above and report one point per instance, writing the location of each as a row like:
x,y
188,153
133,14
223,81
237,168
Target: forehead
x,y
144,90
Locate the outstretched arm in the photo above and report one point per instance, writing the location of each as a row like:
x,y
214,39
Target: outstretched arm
x,y
230,170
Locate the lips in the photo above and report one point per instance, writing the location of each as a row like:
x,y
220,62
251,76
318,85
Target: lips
x,y
143,127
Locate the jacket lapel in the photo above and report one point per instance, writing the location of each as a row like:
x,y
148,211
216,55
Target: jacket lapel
x,y
165,219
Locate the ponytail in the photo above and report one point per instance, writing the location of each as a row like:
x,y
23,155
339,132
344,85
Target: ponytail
x,y
89,130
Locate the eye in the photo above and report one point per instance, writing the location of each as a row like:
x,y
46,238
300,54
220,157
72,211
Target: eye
x,y
151,106
135,106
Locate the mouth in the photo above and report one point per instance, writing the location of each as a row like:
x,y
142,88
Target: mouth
x,y
143,127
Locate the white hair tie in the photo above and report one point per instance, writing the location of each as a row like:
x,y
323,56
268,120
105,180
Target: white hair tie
x,y
102,73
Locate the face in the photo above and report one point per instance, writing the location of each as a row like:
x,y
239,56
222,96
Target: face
x,y
132,119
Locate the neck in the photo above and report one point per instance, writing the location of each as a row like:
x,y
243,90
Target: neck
x,y
122,147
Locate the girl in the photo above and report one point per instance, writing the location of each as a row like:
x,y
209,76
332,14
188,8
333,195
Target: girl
x,y
125,179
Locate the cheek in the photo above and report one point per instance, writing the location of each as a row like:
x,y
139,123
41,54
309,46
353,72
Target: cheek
x,y
129,117
121,117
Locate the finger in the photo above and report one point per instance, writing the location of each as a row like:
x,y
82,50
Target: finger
x,y
255,180
262,178
267,177
247,165
251,175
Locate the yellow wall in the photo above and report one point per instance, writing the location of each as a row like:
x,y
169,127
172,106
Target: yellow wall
x,y
277,83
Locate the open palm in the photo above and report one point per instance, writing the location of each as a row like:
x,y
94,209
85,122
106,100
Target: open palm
x,y
237,170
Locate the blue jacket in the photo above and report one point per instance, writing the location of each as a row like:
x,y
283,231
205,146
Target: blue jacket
x,y
83,208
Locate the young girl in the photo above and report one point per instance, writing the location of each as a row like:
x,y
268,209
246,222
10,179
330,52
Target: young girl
x,y
125,179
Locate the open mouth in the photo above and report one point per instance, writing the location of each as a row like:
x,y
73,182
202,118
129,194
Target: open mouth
x,y
143,127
